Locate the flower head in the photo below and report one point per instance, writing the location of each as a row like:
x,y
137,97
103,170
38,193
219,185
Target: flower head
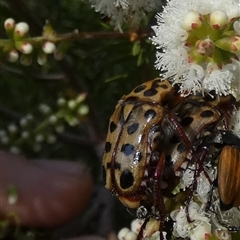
x,y
199,44
121,11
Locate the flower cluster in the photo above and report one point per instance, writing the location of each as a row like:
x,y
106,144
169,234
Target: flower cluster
x,y
32,133
199,45
21,46
125,11
150,232
198,229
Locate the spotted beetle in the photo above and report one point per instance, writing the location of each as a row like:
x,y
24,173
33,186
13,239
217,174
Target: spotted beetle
x,y
154,129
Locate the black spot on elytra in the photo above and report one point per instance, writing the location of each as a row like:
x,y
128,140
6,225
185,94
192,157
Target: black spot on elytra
x,y
186,121
137,157
174,139
164,86
168,160
149,114
150,92
126,179
206,114
132,128
108,147
155,85
112,126
156,81
127,149
104,175
132,99
181,147
139,88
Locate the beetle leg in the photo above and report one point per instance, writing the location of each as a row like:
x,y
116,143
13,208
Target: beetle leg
x,y
158,197
178,127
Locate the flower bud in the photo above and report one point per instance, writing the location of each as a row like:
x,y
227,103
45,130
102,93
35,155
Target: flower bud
x,y
26,59
131,236
51,139
61,101
59,128
4,140
231,44
72,104
201,232
13,56
48,47
41,59
12,128
21,29
205,47
39,138
73,122
191,20
23,122
122,233
2,133
236,26
9,26
44,108
29,117
136,225
52,119
26,48
25,134
218,19
83,110
9,23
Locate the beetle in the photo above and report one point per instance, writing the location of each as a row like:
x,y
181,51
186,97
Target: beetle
x,y
154,129
229,173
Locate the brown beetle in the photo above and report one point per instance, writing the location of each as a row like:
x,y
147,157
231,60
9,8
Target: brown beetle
x,y
229,177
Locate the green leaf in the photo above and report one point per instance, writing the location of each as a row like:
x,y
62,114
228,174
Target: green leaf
x,y
136,48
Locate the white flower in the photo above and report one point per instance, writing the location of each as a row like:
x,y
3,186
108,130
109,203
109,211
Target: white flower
x,y
121,11
197,229
193,38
